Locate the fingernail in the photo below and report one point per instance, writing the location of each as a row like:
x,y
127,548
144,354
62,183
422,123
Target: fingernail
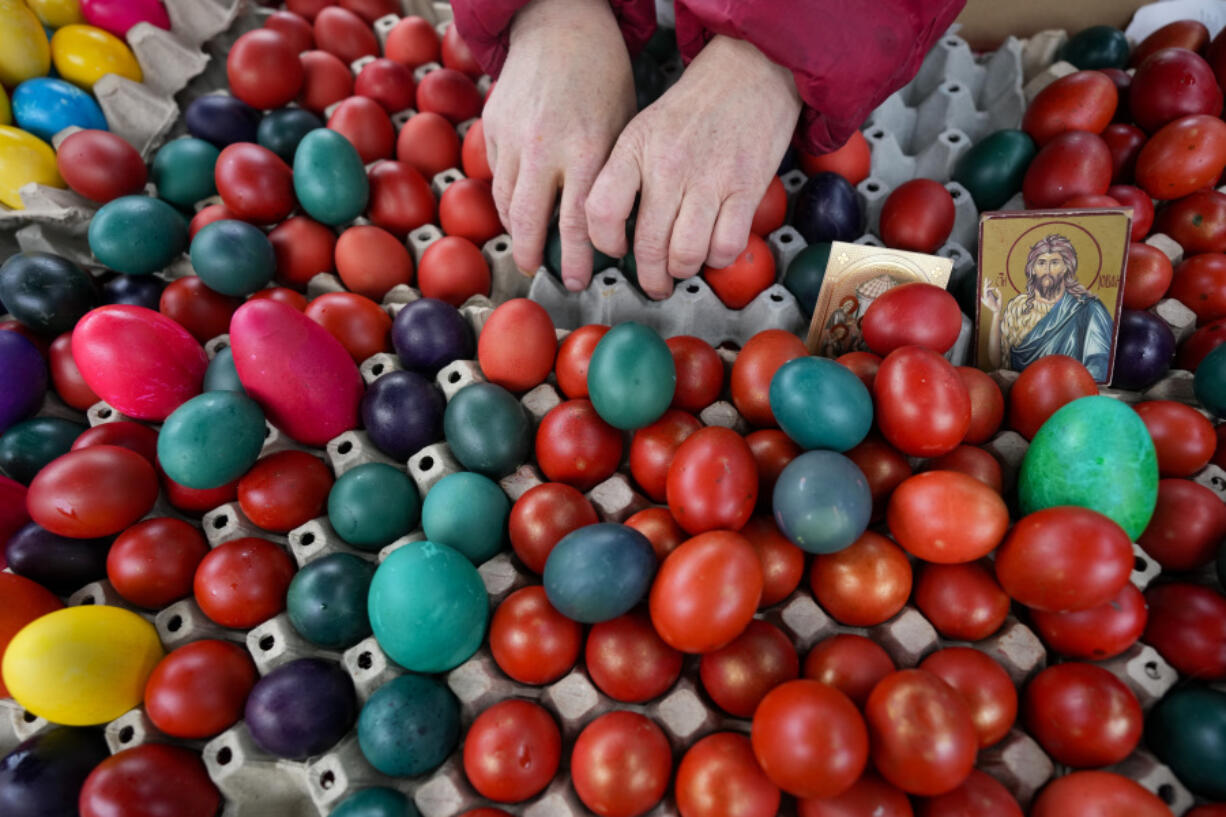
x,y
527,273
572,283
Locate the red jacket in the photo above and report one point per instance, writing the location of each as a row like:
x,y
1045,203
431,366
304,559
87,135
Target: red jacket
x,y
847,55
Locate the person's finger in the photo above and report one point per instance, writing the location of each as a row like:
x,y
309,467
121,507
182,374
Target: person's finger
x,y
572,229
731,230
657,212
531,209
503,187
688,246
611,199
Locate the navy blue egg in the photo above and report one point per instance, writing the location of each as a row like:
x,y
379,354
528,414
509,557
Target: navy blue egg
x,y
599,572
45,106
403,413
43,776
822,502
1144,351
222,120
46,292
301,708
827,209
58,563
428,334
280,131
222,375
23,379
137,290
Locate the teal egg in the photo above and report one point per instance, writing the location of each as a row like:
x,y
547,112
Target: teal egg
x,y
992,171
329,178
428,607
137,235
29,445
409,726
488,430
553,255
468,512
373,505
211,439
1097,47
282,130
183,171
377,802
1210,381
631,377
805,274
1094,452
326,600
1187,731
821,404
45,106
233,257
221,375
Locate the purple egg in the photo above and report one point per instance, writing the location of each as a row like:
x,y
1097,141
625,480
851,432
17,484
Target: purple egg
x,y
24,379
1144,351
429,333
301,708
403,413
58,563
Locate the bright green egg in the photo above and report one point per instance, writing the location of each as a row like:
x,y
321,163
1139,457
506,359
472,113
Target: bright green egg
x,y
326,600
372,505
631,377
233,257
137,235
329,178
183,171
211,439
468,512
1094,452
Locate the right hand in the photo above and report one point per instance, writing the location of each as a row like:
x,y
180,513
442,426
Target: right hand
x,y
565,93
991,297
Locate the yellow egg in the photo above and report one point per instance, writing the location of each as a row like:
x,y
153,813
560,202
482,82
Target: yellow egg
x,y
83,54
57,13
82,666
6,112
24,53
24,158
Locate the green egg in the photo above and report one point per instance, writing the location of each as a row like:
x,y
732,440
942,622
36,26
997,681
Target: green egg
x,y
428,607
553,255
468,512
1097,47
281,131
488,430
409,726
183,171
1096,453
329,178
29,445
631,377
373,505
805,274
326,601
992,171
1187,731
137,235
211,439
377,802
233,257
221,375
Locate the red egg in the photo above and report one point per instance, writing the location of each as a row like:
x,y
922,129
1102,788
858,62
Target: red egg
x,y
429,143
400,198
100,165
343,33
387,82
263,69
296,29
448,92
92,492
325,80
303,248
413,42
255,184
367,127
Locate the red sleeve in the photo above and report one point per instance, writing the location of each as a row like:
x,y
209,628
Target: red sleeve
x,y
847,56
485,26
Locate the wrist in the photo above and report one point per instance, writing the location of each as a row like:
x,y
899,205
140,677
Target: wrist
x,y
554,18
741,58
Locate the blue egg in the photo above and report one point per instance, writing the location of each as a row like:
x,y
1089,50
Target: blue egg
x,y
599,572
222,120
822,502
45,106
136,290
821,404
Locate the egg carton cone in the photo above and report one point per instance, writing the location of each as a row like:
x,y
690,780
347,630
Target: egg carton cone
x,y
227,522
1169,247
135,111
1144,671
368,667
377,365
1142,767
908,637
53,406
506,281
1009,448
785,244
167,62
724,414
1019,764
184,622
1047,76
520,481
1039,51
103,593
1180,319
692,309
431,464
55,207
616,500
1213,478
315,539
502,575
17,725
540,400
196,21
444,179
253,782
276,440
341,772
1016,648
67,240
352,448
134,728
1145,568
802,619
419,241
276,642
1177,385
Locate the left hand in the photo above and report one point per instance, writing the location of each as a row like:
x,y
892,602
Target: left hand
x,y
703,155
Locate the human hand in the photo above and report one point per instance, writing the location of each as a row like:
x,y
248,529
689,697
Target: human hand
x,y
566,90
703,155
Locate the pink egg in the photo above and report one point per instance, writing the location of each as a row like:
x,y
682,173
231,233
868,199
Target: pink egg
x,y
306,382
139,361
117,16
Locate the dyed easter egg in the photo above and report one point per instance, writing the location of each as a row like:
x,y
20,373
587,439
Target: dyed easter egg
x,y
24,158
29,445
82,666
25,54
24,375
598,572
403,413
489,431
46,292
139,361
6,110
301,708
326,600
25,601
329,178
409,726
428,607
1144,351
100,165
83,54
1094,452
372,505
1210,381
221,374
468,512
304,379
282,130
44,774
136,290
57,13
233,257
1187,730
61,564
45,106
183,171
377,802
211,439
821,404
94,491
117,16
822,502
137,235
631,377
222,120
428,334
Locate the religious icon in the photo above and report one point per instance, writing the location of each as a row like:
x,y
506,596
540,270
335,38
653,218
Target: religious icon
x,y
1051,284
857,275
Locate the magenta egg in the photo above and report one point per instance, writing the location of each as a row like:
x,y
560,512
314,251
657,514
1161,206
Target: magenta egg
x,y
117,16
139,361
301,376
